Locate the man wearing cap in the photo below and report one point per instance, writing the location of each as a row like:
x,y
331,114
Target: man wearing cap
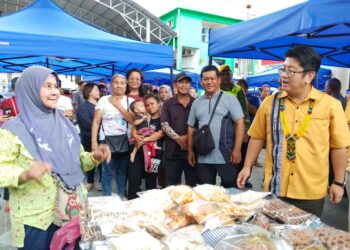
x,y
173,119
229,87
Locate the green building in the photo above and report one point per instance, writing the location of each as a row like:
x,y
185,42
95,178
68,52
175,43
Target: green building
x,y
191,44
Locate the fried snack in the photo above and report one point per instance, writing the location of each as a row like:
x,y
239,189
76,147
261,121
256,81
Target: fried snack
x,y
258,241
182,194
212,193
264,222
186,238
285,212
339,241
177,218
202,211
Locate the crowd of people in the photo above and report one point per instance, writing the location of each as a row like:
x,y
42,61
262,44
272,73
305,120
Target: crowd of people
x,y
135,133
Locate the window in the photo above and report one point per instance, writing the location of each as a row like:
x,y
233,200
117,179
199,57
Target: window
x,y
205,34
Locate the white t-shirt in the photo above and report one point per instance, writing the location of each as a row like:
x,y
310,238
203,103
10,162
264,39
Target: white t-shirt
x,y
64,103
113,122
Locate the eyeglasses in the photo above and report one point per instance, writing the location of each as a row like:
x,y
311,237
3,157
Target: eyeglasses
x,y
289,73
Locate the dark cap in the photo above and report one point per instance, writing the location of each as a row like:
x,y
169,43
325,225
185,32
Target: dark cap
x,y
182,76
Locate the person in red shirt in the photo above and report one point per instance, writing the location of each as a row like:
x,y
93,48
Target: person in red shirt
x,y
9,106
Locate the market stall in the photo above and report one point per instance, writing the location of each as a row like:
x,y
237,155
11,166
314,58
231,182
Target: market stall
x,y
203,217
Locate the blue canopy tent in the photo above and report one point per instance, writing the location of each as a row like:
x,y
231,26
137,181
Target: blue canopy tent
x,y
322,24
162,76
271,77
43,34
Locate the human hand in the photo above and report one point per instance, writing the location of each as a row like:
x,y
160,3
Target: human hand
x,y
191,158
335,193
242,177
235,157
102,153
4,118
35,172
245,137
182,141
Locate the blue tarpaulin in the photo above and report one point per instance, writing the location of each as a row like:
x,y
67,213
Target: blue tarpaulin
x,y
322,24
271,77
42,33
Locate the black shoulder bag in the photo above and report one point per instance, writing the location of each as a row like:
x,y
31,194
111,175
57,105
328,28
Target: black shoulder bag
x,y
118,143
202,138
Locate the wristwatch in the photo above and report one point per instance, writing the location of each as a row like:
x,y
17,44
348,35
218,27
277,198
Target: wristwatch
x,y
340,184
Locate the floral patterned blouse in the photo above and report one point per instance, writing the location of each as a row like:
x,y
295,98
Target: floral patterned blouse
x,y
32,203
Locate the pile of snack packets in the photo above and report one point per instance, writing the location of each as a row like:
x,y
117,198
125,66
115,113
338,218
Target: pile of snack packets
x,y
204,217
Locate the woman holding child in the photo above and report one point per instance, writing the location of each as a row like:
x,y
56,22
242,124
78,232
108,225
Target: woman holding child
x,y
154,141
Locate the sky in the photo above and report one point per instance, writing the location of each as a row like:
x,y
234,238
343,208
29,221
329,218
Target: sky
x,y
229,8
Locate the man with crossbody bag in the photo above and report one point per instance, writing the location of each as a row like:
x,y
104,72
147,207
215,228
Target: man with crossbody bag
x,y
226,128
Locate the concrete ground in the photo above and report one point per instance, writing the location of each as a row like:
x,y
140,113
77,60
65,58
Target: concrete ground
x,y
333,215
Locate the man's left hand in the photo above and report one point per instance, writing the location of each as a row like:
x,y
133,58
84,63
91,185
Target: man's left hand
x,y
235,157
335,193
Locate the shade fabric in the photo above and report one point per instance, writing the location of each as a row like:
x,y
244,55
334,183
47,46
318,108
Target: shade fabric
x,y
322,24
271,77
43,34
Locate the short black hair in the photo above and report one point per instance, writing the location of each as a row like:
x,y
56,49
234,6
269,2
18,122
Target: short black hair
x,y
307,57
13,83
334,84
156,97
210,68
242,82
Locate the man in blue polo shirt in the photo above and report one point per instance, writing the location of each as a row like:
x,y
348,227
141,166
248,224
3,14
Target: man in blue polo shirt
x,y
227,128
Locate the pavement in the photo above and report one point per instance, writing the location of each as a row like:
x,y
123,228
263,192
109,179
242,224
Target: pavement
x,y
333,214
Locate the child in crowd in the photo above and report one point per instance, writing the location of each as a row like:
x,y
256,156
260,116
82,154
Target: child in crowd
x,y
141,123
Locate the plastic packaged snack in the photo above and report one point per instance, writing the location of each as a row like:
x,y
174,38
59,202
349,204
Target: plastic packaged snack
x,y
186,238
302,239
244,237
263,221
332,238
135,241
159,196
212,193
286,213
182,194
202,211
176,218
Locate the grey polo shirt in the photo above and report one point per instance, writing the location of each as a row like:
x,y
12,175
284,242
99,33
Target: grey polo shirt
x,y
221,126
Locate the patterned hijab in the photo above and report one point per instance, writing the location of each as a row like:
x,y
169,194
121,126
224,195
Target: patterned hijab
x,y
46,133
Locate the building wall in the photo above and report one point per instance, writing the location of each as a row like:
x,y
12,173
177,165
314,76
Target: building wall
x,y
190,35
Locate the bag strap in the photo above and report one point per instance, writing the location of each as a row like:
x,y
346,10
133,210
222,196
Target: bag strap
x,y
127,109
216,104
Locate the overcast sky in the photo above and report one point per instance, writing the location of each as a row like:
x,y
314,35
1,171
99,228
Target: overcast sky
x,y
230,8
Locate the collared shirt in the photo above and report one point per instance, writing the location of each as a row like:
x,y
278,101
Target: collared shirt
x,y
32,203
306,177
176,115
347,113
227,111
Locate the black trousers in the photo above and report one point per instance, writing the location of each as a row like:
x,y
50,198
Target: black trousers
x,y
86,142
174,169
228,173
312,206
135,172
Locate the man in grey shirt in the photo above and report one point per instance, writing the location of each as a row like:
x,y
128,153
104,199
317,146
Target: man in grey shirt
x,y
227,128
